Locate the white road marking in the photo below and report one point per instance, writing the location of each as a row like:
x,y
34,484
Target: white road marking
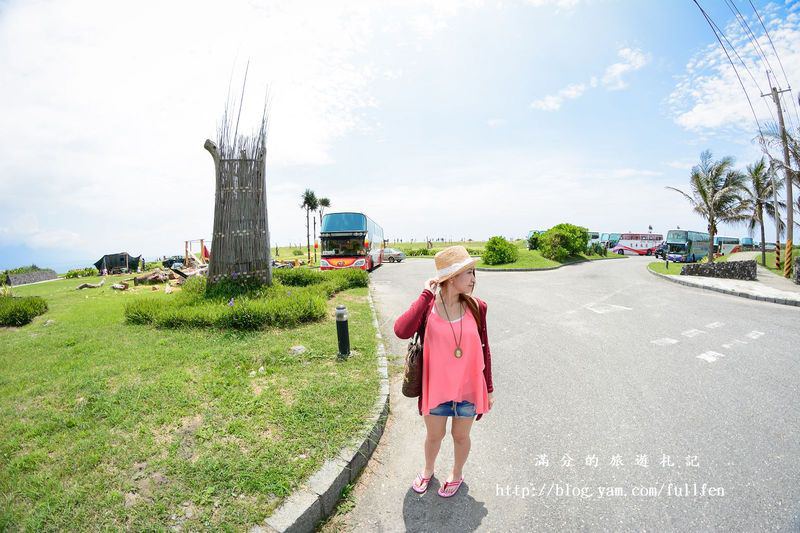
x,y
602,309
710,356
692,332
714,325
666,341
733,344
755,334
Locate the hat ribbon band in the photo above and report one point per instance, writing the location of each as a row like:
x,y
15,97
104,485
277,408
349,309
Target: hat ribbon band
x,y
452,268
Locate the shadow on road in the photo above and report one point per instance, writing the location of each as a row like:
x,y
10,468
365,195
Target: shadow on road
x,y
431,512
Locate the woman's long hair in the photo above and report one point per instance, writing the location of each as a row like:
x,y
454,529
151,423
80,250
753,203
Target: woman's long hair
x,y
470,302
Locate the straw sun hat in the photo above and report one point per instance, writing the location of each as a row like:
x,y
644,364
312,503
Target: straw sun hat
x,y
452,261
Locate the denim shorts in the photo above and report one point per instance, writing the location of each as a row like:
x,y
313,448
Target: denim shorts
x,y
463,409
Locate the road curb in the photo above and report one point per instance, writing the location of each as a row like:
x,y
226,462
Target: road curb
x,y
317,498
781,301
484,269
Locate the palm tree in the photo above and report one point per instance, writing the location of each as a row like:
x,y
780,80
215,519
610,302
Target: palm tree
x,y
717,194
310,203
324,203
760,193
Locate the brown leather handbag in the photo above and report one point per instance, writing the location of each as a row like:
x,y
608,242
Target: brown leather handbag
x,y
412,382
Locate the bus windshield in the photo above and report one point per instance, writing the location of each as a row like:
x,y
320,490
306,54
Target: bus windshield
x,y
338,246
677,236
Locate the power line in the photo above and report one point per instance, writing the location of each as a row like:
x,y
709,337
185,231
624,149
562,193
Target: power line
x,y
733,48
749,102
780,63
749,32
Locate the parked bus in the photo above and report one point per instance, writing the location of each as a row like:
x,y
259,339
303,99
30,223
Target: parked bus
x,y
746,243
609,240
638,243
726,245
594,237
687,246
350,240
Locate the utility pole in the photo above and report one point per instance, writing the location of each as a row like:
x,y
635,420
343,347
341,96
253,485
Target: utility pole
x,y
787,256
777,225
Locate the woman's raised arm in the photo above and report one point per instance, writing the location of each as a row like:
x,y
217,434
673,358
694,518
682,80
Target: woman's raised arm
x,y
408,323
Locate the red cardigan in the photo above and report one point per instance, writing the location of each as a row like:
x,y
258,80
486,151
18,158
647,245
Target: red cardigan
x,y
411,322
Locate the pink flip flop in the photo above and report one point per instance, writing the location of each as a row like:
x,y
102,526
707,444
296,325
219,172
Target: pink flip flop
x,y
443,490
421,483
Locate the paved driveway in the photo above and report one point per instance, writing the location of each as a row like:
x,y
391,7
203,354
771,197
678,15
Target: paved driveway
x,y
624,402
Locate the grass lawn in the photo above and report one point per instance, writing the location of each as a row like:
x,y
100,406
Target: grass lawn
x,y
115,426
534,259
771,260
660,268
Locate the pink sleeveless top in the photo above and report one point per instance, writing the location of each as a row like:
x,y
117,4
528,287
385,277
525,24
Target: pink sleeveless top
x,y
446,378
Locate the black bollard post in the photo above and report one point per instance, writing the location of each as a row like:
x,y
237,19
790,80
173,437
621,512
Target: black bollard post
x,y
342,331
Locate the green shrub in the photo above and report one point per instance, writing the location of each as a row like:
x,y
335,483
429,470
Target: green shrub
x,y
297,296
227,288
498,251
20,311
81,272
21,270
597,249
297,277
562,241
533,241
297,251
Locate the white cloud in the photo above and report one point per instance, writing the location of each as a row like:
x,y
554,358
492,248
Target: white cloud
x,y
708,96
632,59
553,102
496,122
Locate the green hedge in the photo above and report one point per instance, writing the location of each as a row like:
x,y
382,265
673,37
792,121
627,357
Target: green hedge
x,y
20,311
297,296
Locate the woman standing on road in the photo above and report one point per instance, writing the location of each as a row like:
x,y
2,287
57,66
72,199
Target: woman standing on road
x,y
456,368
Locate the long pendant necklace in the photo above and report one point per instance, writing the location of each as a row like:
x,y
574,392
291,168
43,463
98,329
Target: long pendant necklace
x,y
458,353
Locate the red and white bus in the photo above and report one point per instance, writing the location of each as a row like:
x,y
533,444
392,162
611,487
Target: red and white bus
x,y
638,243
350,240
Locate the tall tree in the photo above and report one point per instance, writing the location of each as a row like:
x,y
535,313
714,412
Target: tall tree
x,y
324,203
760,194
716,194
310,203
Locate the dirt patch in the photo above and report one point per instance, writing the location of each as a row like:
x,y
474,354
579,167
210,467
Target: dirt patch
x,y
270,432
183,433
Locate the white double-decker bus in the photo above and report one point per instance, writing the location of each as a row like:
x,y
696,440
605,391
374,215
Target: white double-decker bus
x,y
638,243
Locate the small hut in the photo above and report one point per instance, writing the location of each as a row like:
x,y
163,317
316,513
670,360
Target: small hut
x,y
119,262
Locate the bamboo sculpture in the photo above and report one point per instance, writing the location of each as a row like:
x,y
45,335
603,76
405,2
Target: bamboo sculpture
x,y
240,244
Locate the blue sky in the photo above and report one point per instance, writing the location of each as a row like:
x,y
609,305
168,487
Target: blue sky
x,y
463,119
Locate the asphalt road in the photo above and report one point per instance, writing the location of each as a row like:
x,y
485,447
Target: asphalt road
x,y
623,402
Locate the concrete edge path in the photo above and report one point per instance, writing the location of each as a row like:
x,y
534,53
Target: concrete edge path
x,y
743,289
316,499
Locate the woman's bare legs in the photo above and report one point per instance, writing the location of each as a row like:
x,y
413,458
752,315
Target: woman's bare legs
x,y
437,427
461,444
